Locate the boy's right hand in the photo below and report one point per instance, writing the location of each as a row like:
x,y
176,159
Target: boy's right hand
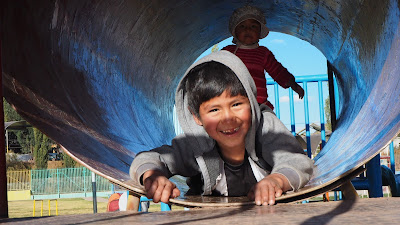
x,y
158,187
299,90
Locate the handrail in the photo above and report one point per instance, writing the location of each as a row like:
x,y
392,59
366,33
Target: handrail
x,y
304,78
319,78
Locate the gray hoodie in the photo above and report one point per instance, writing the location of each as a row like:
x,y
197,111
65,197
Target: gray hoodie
x,y
270,146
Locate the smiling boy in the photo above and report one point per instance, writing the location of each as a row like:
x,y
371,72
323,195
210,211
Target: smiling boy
x,y
230,146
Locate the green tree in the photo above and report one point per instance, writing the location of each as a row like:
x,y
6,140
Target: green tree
x,y
9,113
26,140
42,146
68,161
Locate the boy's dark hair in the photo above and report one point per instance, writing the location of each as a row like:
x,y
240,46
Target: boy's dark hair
x,y
208,80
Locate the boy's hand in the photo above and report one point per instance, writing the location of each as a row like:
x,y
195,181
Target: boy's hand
x,y
158,187
299,90
269,188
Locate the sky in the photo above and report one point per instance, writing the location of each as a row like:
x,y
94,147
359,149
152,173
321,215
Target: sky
x,y
301,59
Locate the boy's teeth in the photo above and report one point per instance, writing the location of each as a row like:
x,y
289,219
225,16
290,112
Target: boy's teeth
x,y
230,131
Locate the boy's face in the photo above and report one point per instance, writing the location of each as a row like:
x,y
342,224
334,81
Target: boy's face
x,y
248,31
226,119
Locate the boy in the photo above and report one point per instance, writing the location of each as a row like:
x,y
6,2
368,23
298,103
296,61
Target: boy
x,y
247,26
229,147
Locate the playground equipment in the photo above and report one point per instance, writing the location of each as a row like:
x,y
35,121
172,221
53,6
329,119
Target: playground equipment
x,y
99,77
41,206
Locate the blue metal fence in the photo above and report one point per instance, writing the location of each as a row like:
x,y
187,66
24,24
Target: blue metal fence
x,y
304,80
374,181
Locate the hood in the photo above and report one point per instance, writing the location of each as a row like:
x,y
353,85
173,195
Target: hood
x,y
200,141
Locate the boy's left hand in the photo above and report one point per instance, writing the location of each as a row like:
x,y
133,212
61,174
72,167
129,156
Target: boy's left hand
x,y
269,188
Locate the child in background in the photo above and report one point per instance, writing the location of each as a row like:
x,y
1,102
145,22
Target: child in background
x,y
247,26
231,145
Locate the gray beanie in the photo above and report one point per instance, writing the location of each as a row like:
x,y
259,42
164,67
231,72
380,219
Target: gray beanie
x,y
248,12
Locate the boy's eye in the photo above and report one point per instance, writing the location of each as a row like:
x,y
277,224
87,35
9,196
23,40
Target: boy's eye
x,y
237,104
213,110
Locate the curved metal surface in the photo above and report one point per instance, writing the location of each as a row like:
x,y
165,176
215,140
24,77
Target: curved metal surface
x,y
99,76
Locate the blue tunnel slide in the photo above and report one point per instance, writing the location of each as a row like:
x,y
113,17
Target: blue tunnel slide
x,y
99,76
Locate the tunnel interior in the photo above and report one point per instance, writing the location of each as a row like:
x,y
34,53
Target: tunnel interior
x,y
99,77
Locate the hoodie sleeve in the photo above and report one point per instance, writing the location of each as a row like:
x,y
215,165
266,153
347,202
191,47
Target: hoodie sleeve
x,y
171,160
283,152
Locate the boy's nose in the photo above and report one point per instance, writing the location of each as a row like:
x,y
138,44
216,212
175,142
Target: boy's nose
x,y
228,116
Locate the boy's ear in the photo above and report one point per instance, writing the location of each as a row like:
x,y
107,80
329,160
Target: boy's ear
x,y
197,120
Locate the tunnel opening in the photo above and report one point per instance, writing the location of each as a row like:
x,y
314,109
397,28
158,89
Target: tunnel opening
x,y
301,59
96,58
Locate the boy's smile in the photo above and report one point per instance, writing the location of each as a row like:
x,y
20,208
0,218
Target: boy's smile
x,y
227,120
248,31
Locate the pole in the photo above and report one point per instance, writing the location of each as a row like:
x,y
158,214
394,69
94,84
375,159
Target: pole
x,y
374,177
392,157
3,168
321,115
7,140
94,192
307,119
84,180
58,184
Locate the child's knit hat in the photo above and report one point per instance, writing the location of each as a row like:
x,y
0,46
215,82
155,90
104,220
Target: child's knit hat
x,y
248,12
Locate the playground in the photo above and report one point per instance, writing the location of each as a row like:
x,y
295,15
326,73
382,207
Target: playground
x,y
99,78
